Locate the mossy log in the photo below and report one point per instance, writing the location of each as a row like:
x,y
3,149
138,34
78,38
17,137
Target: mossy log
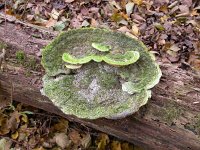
x,y
170,120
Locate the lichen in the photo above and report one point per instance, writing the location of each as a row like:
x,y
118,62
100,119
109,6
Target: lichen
x,y
95,89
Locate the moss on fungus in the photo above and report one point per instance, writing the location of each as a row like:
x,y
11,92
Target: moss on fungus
x,y
96,89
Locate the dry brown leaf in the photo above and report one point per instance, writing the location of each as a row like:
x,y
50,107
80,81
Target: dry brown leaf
x,y
102,141
129,8
94,23
138,2
184,9
54,14
30,17
123,29
4,129
127,146
86,141
131,35
135,30
69,1
39,148
61,126
62,140
75,136
15,135
51,22
24,118
116,145
47,1
174,48
14,120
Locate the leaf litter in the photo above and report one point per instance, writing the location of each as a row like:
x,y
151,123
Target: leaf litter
x,y
170,29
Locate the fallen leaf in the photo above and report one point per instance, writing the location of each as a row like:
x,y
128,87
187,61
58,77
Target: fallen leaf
x,y
47,1
174,48
116,145
5,144
51,22
116,17
86,141
85,23
115,4
30,17
135,30
59,26
14,120
123,22
184,9
75,136
61,126
129,8
4,129
123,29
102,141
159,27
127,146
15,135
39,148
62,140
69,1
138,2
54,14
94,23
24,118
131,35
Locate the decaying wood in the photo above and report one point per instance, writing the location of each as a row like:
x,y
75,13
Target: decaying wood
x,y
169,120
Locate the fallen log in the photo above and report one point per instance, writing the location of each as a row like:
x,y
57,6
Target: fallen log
x,y
170,120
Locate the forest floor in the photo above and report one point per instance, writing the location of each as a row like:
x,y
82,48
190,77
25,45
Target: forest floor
x,y
169,28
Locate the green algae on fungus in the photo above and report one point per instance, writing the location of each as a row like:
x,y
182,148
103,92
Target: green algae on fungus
x,y
72,60
69,66
113,59
98,88
128,58
101,47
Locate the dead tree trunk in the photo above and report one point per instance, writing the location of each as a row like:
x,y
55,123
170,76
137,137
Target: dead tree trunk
x,y
170,120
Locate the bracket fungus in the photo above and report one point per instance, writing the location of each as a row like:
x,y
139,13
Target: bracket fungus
x,y
93,73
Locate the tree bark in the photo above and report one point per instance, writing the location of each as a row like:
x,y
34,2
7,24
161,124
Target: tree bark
x,y
170,120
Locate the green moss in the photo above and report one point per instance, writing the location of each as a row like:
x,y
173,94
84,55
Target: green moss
x,y
108,80
169,113
67,97
20,56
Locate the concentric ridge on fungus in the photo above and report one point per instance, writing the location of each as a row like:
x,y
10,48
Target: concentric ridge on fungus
x,y
93,73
